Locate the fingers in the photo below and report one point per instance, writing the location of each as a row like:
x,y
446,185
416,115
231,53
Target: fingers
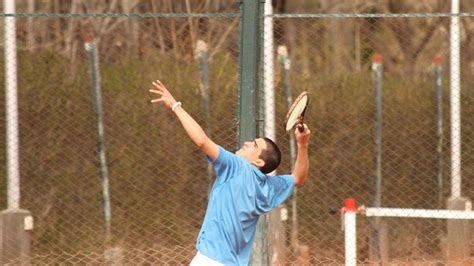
x,y
302,138
159,100
165,96
156,92
159,86
160,89
305,130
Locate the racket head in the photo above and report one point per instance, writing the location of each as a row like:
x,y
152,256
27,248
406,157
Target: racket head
x,y
295,114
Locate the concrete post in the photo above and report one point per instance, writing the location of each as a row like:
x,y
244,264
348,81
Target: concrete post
x,y
459,234
15,227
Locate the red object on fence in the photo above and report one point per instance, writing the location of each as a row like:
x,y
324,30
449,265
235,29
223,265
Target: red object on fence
x,y
377,58
350,205
437,59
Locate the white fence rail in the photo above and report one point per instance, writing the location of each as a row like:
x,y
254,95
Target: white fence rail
x,y
349,220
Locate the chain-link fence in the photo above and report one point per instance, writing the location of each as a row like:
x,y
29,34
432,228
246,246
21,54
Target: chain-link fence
x,y
151,207
381,121
158,181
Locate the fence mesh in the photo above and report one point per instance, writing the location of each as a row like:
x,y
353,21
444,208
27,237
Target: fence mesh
x,y
333,59
159,181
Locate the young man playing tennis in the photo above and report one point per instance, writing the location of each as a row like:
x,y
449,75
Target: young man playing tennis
x,y
241,192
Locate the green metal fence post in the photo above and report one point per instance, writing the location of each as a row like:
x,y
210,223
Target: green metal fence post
x,y
250,28
248,57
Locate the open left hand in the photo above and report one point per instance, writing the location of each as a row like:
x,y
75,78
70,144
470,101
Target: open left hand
x,y
165,96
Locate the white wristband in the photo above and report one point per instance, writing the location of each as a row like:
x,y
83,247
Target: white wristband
x,y
175,105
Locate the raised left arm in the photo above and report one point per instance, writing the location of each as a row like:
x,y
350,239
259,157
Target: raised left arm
x,y
192,128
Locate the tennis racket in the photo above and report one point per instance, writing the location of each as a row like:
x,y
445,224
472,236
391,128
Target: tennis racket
x,y
295,116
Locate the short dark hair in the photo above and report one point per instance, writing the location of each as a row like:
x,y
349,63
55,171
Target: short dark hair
x,y
271,156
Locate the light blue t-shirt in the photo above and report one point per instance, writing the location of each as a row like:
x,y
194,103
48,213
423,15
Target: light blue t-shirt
x,y
240,194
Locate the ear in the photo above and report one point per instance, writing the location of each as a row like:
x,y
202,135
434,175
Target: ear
x,y
259,163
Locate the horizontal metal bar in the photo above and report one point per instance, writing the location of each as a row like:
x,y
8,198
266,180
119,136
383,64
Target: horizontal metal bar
x,y
204,15
372,15
419,213
118,15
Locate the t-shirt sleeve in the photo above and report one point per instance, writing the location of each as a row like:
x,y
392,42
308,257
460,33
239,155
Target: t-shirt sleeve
x,y
281,187
226,165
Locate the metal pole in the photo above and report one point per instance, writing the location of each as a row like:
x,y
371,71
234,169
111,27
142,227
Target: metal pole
x,y
377,70
286,69
202,58
455,84
15,240
93,55
11,105
248,58
276,231
350,232
438,73
268,80
458,232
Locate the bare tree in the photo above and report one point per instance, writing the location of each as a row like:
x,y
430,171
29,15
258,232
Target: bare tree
x,y
131,27
411,35
158,28
30,33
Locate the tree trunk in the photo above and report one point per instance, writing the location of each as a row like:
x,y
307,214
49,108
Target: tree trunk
x,y
131,28
70,36
192,32
159,31
30,37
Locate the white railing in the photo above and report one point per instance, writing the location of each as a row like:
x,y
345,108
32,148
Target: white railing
x,y
349,220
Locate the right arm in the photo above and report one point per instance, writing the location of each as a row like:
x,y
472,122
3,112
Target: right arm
x,y
192,128
300,171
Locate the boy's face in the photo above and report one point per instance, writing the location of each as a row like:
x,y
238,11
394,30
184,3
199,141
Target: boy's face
x,y
251,151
